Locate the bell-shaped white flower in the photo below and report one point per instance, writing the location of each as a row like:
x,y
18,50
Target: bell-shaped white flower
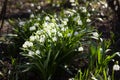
x,y
116,67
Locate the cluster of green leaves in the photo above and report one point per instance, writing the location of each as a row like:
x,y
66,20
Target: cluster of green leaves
x,y
98,62
56,41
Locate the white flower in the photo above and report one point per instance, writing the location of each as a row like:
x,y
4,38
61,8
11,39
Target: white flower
x,y
88,14
47,18
71,78
36,24
101,49
60,34
37,51
21,23
73,4
38,7
53,4
69,34
53,30
32,28
32,5
95,35
100,19
32,38
79,22
106,5
38,19
58,5
51,24
116,67
31,53
27,44
32,16
76,18
29,10
39,32
63,29
72,1
80,49
88,20
93,78
54,39
83,9
42,38
66,19
71,13
118,53
116,8
65,22
76,33
93,9
65,66
45,24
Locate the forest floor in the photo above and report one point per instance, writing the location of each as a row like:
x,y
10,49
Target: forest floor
x,y
20,7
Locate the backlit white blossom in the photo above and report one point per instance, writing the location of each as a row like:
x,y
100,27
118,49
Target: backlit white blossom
x,y
47,18
72,1
27,44
93,78
60,34
37,51
79,22
76,33
116,67
80,49
71,78
42,39
38,19
32,5
32,38
32,28
88,20
21,23
38,7
32,16
54,39
36,24
31,53
69,34
88,14
95,35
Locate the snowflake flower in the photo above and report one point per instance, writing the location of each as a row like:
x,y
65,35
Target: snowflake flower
x,y
80,49
32,28
47,18
76,33
54,39
72,1
31,53
116,67
32,38
79,22
88,20
27,44
37,51
32,16
95,35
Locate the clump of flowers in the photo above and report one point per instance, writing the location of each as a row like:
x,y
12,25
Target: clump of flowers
x,y
55,41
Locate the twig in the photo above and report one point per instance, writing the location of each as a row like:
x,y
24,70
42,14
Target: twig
x,y
3,13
